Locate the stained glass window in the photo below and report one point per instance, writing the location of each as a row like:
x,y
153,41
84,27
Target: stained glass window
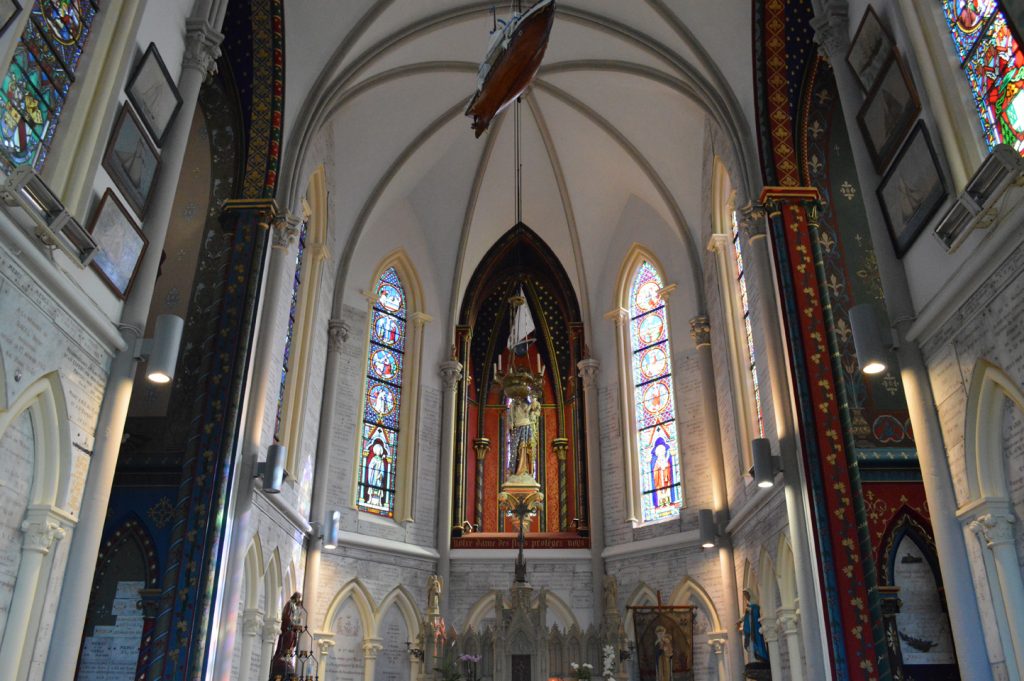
x,y
991,58
653,398
741,287
40,75
293,313
382,400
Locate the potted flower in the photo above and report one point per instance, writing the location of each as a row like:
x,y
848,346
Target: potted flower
x,y
469,665
581,672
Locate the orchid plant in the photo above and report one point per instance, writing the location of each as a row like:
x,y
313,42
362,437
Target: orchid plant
x,y
469,664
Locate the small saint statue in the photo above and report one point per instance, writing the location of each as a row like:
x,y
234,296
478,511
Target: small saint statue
x,y
753,640
523,417
293,621
434,586
611,594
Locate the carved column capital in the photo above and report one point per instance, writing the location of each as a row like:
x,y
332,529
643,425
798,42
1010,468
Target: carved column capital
x,y
481,446
285,229
337,334
324,645
252,622
620,316
202,46
789,621
40,535
588,372
561,447
752,219
271,628
371,646
995,528
700,331
769,629
830,29
451,374
717,646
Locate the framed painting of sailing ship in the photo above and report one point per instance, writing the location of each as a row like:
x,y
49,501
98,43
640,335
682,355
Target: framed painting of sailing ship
x,y
912,191
889,111
153,94
121,245
664,642
131,160
870,50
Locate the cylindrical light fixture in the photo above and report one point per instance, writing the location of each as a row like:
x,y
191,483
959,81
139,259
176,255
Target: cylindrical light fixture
x,y
163,356
273,468
867,339
764,465
331,530
708,531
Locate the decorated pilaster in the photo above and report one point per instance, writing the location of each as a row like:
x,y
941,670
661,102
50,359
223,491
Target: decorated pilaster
x,y
718,646
481,446
589,368
789,624
758,260
271,628
371,648
252,626
451,375
560,446
996,530
854,620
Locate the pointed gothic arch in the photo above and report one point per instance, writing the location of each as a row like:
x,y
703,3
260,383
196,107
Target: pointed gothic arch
x,y
642,594
403,600
653,482
394,427
691,590
785,573
252,574
983,450
273,587
363,600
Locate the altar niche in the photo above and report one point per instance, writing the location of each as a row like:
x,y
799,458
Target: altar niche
x,y
486,452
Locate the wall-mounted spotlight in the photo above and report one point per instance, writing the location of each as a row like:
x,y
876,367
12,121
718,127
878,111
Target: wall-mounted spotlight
x,y
872,353
161,351
272,470
708,528
330,535
765,465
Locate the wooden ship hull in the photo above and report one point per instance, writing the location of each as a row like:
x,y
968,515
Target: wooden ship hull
x,y
511,64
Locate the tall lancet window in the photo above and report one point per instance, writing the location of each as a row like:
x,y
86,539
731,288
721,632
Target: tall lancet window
x,y
991,58
744,311
375,491
653,397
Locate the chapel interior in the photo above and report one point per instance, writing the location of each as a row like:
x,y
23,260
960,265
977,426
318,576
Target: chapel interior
x,y
697,356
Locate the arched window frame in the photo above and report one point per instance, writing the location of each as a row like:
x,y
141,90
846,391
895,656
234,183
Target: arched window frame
x,y
92,101
748,402
295,382
408,416
620,315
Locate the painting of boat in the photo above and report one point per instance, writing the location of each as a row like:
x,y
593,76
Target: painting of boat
x,y
513,57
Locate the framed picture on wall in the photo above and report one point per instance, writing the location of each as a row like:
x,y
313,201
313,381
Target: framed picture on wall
x,y
870,50
132,160
889,111
121,244
152,93
913,190
9,10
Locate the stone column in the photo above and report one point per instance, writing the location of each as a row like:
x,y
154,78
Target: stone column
x,y
202,43
997,530
337,334
371,646
770,631
759,267
271,630
700,331
451,374
718,646
40,531
789,621
323,647
591,417
252,624
560,445
831,25
265,360
481,446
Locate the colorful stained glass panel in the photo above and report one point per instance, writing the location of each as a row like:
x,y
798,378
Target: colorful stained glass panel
x,y
966,19
383,397
748,335
653,398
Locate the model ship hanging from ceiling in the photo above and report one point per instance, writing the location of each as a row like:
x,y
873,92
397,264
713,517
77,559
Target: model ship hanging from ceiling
x,y
513,57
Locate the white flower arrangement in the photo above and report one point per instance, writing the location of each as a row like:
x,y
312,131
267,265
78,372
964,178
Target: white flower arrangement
x,y
608,662
582,671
